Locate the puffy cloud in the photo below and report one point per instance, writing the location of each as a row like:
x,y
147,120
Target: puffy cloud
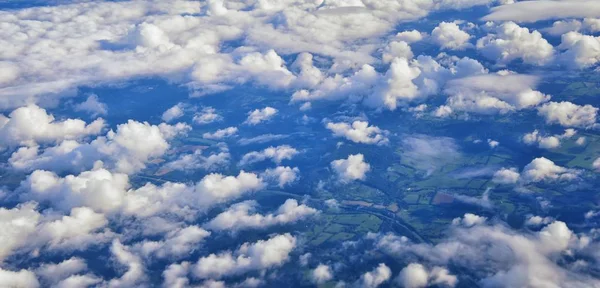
x,y
31,125
568,114
542,169
154,39
109,192
126,150
216,188
98,189
76,231
92,105
396,84
321,274
506,176
547,142
497,256
28,230
17,225
194,161
411,36
67,274
173,113
308,74
536,221
359,132
352,168
207,115
221,133
261,255
596,164
537,10
493,143
176,275
415,275
276,154
539,169
242,216
513,42
260,115
283,175
21,279
449,36
177,243
396,49
378,276
403,82
56,272
136,272
561,27
469,220
580,50
482,94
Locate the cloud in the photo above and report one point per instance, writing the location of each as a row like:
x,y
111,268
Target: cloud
x,y
185,42
22,278
243,216
32,125
136,272
449,36
221,133
596,164
258,256
568,114
542,169
194,161
206,116
18,224
260,115
513,42
403,82
411,36
396,49
359,132
469,220
536,221
506,176
537,10
483,201
92,105
494,255
68,273
173,113
321,274
126,150
177,243
547,142
580,51
260,139
105,191
28,230
481,94
351,169
415,275
283,175
538,170
429,153
276,154
378,276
